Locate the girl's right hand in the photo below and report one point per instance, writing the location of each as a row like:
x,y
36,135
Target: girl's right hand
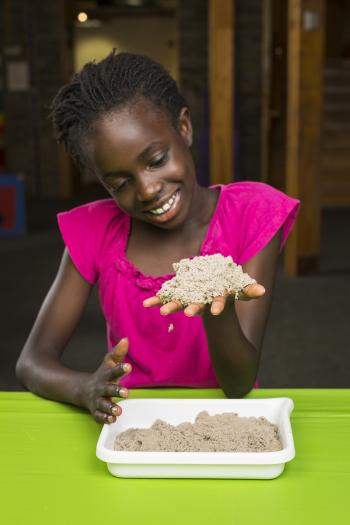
x,y
103,385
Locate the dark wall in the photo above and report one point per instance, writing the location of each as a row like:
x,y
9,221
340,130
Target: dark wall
x,y
34,36
38,34
248,85
193,63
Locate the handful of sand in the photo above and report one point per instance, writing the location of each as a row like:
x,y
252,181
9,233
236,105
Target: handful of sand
x,y
200,279
226,432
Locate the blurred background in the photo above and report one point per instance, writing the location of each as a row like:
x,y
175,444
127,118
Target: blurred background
x,y
268,85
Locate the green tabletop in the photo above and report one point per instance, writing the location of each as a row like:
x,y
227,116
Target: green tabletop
x,y
50,474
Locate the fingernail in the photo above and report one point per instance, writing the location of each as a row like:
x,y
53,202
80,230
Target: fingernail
x,y
123,392
116,411
164,311
110,419
126,367
189,313
215,310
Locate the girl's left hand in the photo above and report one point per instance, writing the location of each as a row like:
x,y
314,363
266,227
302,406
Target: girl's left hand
x,y
252,291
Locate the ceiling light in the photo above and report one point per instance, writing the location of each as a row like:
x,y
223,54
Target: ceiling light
x,y
82,17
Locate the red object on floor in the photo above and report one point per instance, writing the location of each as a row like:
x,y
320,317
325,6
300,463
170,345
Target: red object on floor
x,y
8,207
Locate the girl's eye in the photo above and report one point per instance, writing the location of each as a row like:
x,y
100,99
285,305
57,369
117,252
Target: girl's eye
x,y
119,187
158,162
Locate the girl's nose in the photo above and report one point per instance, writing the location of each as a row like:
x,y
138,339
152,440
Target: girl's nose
x,y
148,187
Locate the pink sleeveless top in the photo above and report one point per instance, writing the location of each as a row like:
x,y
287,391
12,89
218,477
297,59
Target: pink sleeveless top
x,y
247,216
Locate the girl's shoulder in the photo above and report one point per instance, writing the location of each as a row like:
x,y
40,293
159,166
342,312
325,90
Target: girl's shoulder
x,y
96,211
97,217
91,232
244,192
253,212
249,199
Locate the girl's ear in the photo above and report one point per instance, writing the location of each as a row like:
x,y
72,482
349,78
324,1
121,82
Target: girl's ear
x,y
185,126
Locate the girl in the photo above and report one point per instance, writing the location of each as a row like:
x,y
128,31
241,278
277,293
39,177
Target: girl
x,y
125,121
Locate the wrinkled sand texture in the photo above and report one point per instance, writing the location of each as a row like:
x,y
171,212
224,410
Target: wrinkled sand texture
x,y
226,432
200,279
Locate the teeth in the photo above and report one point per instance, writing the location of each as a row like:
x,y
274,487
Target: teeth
x,y
165,207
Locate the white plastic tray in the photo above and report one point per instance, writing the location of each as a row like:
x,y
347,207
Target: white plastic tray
x,y
141,413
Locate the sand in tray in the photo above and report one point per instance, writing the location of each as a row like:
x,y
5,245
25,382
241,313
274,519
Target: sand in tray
x,y
200,279
226,432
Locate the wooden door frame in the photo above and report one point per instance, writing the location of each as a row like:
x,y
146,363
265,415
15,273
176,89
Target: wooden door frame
x,y
304,123
221,90
301,177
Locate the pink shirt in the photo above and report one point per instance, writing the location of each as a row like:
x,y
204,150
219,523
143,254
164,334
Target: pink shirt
x,y
247,216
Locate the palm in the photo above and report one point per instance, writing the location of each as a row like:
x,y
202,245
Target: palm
x,y
252,291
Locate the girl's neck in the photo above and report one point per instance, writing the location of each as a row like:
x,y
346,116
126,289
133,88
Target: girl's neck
x,y
202,207
153,250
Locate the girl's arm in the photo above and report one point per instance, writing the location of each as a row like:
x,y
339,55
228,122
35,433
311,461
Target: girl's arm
x,y
235,336
39,367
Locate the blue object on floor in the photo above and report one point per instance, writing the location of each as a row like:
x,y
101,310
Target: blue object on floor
x,y
12,205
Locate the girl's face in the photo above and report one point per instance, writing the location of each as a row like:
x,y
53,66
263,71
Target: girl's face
x,y
145,163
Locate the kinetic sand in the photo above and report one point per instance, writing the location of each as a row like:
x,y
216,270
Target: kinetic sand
x,y
200,279
226,432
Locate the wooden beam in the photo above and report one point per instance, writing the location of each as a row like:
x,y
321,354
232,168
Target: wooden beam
x,y
221,91
293,123
306,21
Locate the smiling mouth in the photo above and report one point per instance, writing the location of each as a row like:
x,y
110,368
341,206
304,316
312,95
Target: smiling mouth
x,y
167,206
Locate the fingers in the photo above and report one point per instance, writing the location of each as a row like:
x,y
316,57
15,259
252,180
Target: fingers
x,y
115,373
218,304
113,390
108,414
105,387
252,291
172,307
194,309
107,406
115,367
106,410
103,417
152,301
117,355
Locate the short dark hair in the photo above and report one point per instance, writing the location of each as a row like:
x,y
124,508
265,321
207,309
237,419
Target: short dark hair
x,y
100,88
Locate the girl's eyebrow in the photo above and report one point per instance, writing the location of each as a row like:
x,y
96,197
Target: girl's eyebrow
x,y
141,155
149,148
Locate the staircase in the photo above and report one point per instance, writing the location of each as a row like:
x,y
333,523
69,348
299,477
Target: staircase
x,y
335,151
